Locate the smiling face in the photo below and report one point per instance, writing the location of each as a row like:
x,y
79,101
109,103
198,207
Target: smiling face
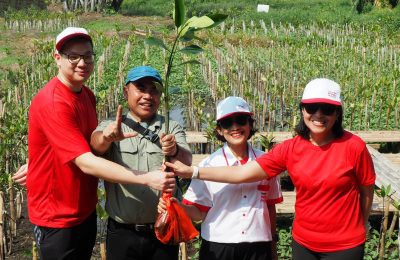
x,y
143,99
319,123
74,75
235,129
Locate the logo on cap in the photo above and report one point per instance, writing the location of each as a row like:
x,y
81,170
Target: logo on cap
x,y
322,90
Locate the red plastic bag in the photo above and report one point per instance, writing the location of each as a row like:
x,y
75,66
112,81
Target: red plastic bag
x,y
174,225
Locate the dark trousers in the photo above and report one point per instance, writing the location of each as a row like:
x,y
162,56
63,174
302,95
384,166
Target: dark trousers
x,y
67,243
228,251
125,242
300,252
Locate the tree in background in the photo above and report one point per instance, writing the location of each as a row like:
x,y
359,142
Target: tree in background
x,y
21,4
116,4
365,5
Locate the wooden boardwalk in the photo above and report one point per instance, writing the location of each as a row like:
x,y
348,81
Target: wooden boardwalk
x,y
387,166
289,199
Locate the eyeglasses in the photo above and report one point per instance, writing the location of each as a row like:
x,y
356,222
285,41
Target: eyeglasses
x,y
76,58
227,123
326,109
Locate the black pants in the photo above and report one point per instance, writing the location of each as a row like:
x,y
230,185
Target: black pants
x,y
67,243
229,251
302,253
124,242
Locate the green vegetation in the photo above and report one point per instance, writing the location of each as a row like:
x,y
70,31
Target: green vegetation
x,y
265,57
281,11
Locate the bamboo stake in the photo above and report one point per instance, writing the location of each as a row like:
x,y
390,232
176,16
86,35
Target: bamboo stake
x,y
2,233
34,251
103,251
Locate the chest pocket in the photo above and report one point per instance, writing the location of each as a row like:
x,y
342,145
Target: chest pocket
x,y
128,155
155,156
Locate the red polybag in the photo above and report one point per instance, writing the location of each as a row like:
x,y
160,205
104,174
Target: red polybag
x,y
174,225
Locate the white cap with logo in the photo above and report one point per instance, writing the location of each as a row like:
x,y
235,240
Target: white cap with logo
x,y
322,91
69,33
232,105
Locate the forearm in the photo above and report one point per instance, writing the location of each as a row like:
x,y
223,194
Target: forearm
x,y
249,172
183,155
366,199
109,171
98,143
194,213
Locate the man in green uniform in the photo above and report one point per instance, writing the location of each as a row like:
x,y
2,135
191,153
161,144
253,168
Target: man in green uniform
x,y
133,208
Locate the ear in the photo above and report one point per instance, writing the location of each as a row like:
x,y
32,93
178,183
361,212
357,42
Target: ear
x,y
57,58
126,91
303,111
219,131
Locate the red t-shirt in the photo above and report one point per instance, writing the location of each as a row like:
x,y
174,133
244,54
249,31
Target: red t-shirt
x,y
328,211
60,195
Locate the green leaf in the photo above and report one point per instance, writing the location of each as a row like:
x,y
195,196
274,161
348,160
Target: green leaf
x,y
188,36
179,13
217,18
156,42
191,49
198,23
195,62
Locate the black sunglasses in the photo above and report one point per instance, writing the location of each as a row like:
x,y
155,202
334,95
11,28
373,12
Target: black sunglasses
x,y
240,120
326,109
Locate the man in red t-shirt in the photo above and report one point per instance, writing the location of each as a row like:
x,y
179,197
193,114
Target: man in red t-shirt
x,y
63,172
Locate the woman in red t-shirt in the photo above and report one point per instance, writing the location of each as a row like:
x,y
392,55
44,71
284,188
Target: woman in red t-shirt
x,y
331,170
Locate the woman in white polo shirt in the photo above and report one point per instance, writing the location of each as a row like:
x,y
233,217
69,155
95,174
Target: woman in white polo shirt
x,y
331,170
238,219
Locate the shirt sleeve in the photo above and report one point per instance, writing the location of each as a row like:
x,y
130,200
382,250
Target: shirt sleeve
x,y
60,126
198,195
180,136
364,168
275,193
274,161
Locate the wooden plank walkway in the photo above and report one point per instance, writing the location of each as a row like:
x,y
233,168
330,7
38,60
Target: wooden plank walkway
x,y
387,166
394,158
387,172
367,136
289,199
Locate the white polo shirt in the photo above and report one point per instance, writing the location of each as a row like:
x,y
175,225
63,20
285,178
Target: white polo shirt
x,y
236,212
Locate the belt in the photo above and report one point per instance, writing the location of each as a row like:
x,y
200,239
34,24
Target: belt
x,y
147,227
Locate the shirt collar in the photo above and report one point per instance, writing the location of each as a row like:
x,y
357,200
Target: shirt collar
x,y
231,159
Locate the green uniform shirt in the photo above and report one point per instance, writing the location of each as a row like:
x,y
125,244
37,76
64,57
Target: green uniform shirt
x,y
137,204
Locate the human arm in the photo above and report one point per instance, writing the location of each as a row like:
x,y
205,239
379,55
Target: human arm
x,y
20,176
171,148
366,198
112,172
192,211
249,172
101,141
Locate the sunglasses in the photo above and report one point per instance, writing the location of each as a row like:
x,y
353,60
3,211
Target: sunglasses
x,y
240,120
325,109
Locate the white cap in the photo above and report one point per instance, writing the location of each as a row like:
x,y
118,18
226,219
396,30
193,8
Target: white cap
x,y
322,91
69,33
232,105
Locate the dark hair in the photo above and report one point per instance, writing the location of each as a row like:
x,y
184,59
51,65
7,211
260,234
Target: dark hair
x,y
337,129
75,39
222,138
